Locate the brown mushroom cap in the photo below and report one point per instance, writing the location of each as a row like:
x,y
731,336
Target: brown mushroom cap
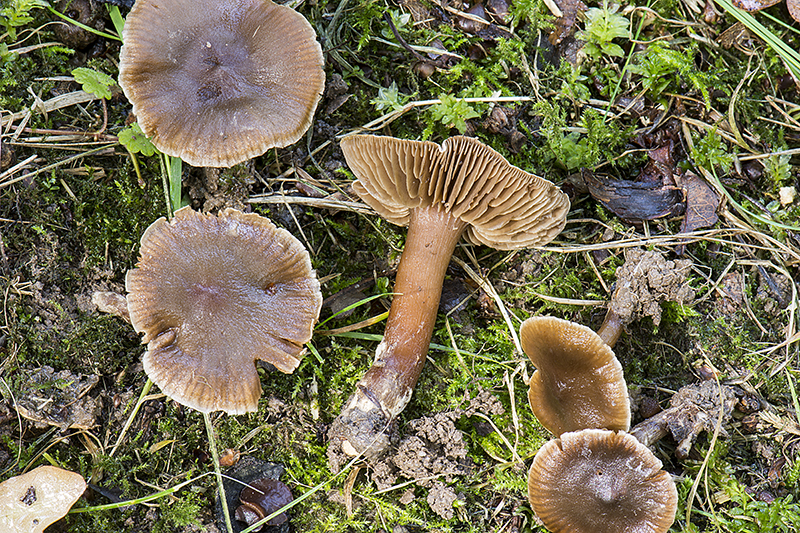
x,y
31,502
220,82
213,294
506,208
601,481
578,383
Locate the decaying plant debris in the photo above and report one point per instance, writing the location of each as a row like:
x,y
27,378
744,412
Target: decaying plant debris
x,y
687,110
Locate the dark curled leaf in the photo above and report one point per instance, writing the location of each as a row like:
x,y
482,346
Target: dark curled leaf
x,y
634,201
566,25
472,25
658,169
498,9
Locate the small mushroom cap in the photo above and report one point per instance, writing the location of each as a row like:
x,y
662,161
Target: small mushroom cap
x,y
222,84
213,294
598,481
31,502
506,208
578,383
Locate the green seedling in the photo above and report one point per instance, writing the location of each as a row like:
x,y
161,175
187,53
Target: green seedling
x,y
603,25
94,82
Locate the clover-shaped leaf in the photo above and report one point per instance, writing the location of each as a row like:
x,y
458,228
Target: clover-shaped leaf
x,y
94,82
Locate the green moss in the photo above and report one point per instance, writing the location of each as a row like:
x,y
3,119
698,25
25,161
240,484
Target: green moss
x,y
86,343
180,513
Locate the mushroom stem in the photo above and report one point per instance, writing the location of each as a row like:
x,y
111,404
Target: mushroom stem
x,y
386,388
611,328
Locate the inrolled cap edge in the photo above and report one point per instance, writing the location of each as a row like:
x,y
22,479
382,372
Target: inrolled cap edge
x,y
578,382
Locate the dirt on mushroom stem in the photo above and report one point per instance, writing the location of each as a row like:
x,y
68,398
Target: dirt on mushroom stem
x,y
386,388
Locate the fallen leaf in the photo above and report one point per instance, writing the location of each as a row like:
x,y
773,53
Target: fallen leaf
x,y
476,22
31,502
565,25
754,5
634,200
229,457
733,36
58,398
794,9
658,169
757,5
702,202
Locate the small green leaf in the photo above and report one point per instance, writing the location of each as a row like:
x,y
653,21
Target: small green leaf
x,y
136,141
453,112
116,18
17,13
389,98
613,49
603,25
94,82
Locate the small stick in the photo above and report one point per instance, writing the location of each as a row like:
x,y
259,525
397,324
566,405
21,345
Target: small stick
x,y
387,17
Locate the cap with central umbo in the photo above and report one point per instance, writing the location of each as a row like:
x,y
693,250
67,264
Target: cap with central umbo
x,y
578,383
213,294
594,480
219,82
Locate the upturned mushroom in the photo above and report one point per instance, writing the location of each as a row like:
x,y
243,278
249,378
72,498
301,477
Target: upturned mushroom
x,y
600,481
223,82
32,501
441,193
578,382
214,294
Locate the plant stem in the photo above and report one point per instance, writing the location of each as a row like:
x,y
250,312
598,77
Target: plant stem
x,y
145,391
611,328
174,171
212,444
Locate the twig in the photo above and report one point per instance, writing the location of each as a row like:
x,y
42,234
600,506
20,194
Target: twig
x,y
388,118
388,18
488,289
13,170
57,102
321,203
56,165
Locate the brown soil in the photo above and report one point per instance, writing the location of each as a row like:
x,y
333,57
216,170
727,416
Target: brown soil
x,y
645,281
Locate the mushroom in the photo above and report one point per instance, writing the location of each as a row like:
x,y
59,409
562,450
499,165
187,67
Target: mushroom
x,y
578,382
260,499
31,502
440,192
601,481
222,84
213,294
